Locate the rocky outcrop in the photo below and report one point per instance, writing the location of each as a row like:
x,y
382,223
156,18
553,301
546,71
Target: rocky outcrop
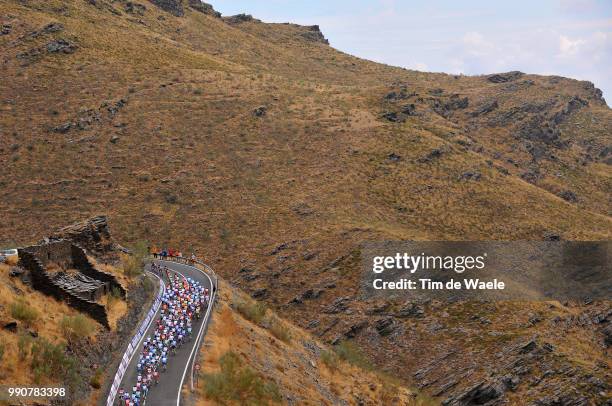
x,y
239,19
174,7
313,33
445,107
485,108
385,326
11,326
574,104
93,235
260,111
568,196
61,46
482,393
82,263
134,8
504,77
339,305
607,331
393,116
434,154
205,8
47,29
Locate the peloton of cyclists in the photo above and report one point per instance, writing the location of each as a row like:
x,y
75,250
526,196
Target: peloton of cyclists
x,y
181,303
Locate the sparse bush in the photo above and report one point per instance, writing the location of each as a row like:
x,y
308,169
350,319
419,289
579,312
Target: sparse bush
x,y
141,251
77,327
348,352
225,237
24,312
239,383
252,311
113,297
96,379
133,265
143,177
279,330
2,349
115,293
148,285
170,198
388,392
50,361
330,359
205,236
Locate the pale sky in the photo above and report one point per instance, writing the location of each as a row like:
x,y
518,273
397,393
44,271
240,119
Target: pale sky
x,y
570,38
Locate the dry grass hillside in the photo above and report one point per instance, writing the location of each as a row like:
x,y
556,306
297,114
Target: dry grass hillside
x,y
40,338
274,156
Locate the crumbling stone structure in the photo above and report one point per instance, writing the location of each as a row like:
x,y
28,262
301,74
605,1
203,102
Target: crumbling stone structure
x,y
81,290
92,235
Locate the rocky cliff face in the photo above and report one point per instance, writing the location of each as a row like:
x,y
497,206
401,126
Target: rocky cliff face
x,y
313,33
202,7
93,235
177,7
174,7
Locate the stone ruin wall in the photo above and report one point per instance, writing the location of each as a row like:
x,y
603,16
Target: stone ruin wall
x,y
36,257
82,263
59,252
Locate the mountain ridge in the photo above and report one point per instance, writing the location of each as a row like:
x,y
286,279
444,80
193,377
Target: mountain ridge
x,y
275,157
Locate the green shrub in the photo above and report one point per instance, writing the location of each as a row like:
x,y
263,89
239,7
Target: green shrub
x,y
348,352
2,349
239,383
23,346
225,237
77,327
133,265
24,312
96,379
279,330
113,297
50,361
252,311
141,250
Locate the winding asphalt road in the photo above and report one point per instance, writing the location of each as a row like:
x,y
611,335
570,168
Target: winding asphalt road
x,y
170,382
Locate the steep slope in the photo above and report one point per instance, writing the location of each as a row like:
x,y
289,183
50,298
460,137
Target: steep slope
x,y
301,369
275,156
46,342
